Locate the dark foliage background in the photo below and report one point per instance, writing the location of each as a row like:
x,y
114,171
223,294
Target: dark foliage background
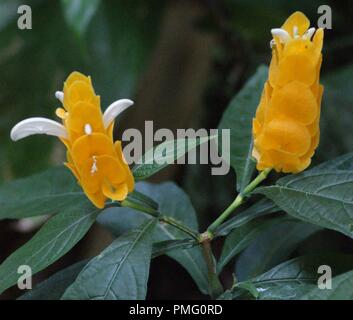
x,y
181,61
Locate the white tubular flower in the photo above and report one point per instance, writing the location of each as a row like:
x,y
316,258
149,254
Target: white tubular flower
x,y
60,96
309,33
33,126
282,34
114,110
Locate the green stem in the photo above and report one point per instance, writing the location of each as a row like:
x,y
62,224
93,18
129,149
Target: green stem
x,y
154,213
238,200
134,205
214,285
179,226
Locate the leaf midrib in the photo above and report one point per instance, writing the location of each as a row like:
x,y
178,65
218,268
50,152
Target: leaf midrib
x,y
119,266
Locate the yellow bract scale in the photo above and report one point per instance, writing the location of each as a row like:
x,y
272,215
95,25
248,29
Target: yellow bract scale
x,y
84,114
296,101
286,126
296,20
88,146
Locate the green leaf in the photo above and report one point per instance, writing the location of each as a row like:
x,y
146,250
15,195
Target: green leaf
x,y
323,198
172,202
342,289
271,247
238,118
54,287
241,237
262,207
50,243
78,13
44,193
165,154
163,247
344,162
120,272
293,279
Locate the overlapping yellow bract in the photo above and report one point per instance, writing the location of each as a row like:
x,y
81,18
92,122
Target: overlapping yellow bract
x,y
286,127
97,162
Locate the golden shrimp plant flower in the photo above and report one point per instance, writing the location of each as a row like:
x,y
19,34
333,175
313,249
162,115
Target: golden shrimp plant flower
x,y
92,156
286,126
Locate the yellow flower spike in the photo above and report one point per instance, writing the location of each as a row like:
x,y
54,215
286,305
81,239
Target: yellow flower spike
x,y
286,126
93,158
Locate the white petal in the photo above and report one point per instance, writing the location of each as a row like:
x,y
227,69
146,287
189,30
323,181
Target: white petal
x,y
59,95
282,34
32,126
309,33
114,110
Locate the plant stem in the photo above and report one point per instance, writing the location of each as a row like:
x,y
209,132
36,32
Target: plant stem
x,y
214,285
179,226
154,213
238,200
134,205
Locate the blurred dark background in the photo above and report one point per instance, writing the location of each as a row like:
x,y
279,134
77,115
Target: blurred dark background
x,y
181,62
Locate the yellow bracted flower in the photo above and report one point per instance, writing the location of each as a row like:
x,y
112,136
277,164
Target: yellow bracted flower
x,y
286,126
92,156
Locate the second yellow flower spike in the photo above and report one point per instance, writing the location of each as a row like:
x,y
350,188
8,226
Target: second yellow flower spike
x,y
286,127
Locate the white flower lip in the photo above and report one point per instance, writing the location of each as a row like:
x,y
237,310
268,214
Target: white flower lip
x,y
114,110
282,34
40,125
309,33
37,125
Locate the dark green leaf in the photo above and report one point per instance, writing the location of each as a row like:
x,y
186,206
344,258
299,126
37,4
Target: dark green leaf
x,y
272,247
344,162
163,247
120,272
293,279
50,243
165,154
241,237
54,287
238,118
172,202
44,193
320,197
262,207
342,289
